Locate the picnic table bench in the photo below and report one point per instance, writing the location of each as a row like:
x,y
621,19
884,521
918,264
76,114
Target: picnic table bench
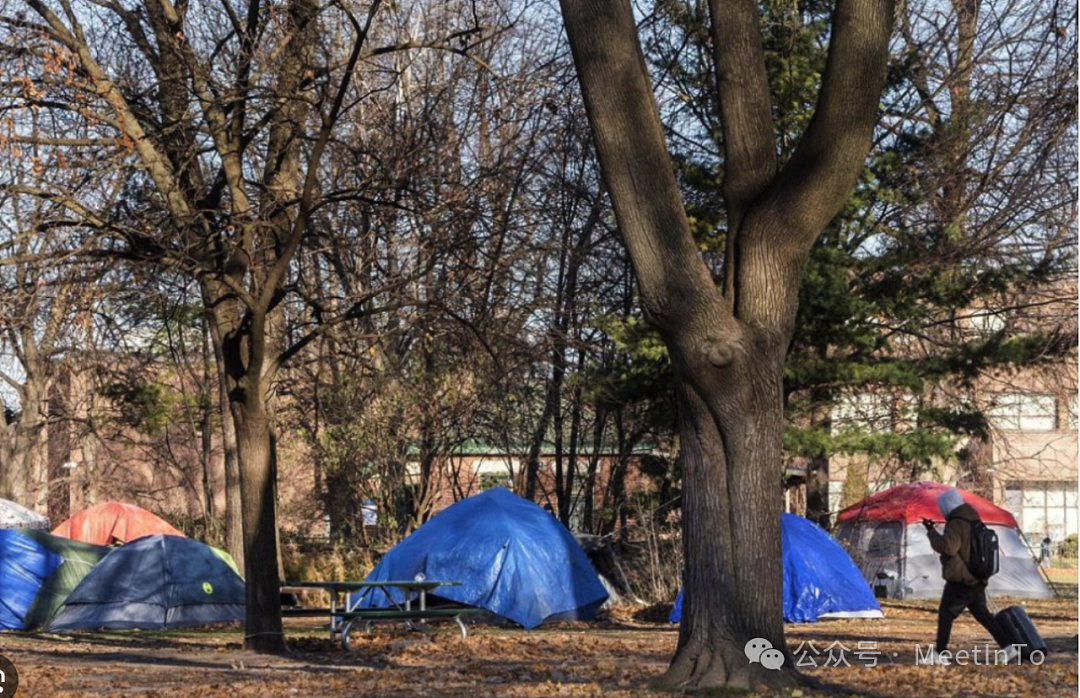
x,y
346,614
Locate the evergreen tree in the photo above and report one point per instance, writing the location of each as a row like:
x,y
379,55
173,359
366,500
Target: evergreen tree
x,y
894,285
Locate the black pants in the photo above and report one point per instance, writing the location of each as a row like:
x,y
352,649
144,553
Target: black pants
x,y
954,600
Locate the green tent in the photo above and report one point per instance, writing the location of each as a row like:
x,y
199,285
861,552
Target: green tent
x,y
79,559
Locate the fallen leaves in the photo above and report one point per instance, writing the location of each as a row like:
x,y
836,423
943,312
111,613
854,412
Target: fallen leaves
x,y
614,658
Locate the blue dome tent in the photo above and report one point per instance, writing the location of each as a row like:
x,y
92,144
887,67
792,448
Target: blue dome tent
x,y
25,564
820,579
155,582
43,566
512,558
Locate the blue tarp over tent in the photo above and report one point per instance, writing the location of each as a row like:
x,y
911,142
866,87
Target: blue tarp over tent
x,y
512,558
820,579
24,565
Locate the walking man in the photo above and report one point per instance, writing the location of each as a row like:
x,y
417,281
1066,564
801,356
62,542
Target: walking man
x,y
962,589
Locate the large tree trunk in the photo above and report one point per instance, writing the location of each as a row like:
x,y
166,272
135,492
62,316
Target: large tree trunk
x,y
263,629
244,350
731,454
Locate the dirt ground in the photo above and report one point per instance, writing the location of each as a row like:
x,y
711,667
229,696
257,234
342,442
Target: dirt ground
x,y
612,657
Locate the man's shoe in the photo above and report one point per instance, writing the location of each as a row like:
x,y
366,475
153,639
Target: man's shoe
x,y
934,659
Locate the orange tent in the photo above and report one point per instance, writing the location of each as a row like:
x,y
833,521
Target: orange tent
x,y
113,522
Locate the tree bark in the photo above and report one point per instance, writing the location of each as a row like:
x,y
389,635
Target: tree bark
x,y
730,451
255,450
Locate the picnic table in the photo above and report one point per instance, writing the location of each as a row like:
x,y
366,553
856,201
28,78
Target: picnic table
x,y
344,614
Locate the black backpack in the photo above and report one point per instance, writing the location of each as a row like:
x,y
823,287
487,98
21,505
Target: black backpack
x,y
983,562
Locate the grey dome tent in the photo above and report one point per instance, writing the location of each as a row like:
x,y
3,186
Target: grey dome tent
x,y
14,515
885,536
156,582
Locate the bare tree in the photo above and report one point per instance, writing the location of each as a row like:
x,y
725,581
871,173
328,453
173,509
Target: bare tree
x,y
215,126
38,302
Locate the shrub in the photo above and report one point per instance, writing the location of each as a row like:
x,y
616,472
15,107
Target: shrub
x,y
1068,547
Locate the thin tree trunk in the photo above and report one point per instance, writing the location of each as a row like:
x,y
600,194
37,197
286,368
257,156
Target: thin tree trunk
x,y
594,465
234,523
817,475
566,507
26,439
978,457
532,460
206,434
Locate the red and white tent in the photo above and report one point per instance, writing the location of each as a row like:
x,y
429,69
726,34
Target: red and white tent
x,y
886,538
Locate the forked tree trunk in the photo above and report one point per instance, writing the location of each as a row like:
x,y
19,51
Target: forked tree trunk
x,y
728,348
241,347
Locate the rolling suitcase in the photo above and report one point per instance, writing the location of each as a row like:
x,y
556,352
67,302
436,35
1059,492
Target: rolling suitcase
x,y
1017,627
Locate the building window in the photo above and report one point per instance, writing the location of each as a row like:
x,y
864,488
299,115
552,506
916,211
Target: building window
x,y
875,412
1070,406
502,466
1020,412
1043,508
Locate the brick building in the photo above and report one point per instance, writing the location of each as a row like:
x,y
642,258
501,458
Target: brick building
x,y
1028,464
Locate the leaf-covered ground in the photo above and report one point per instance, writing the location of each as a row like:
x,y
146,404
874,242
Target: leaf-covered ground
x,y
615,657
